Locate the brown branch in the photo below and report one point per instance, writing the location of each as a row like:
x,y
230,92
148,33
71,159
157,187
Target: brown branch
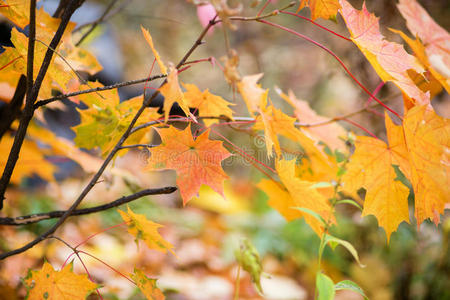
x,y
32,95
97,89
105,163
34,218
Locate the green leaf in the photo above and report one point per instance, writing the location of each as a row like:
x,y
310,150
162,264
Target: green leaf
x,y
350,285
325,287
349,201
334,241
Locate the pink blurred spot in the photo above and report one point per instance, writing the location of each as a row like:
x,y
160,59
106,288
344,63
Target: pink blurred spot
x,y
205,13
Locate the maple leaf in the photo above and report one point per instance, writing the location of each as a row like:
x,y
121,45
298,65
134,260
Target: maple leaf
x,y
31,160
149,40
50,284
433,48
389,59
426,143
106,119
329,134
251,91
196,162
371,167
326,9
208,104
298,193
146,230
275,122
147,285
172,93
419,147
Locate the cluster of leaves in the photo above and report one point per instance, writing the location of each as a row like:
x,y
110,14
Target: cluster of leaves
x,y
309,187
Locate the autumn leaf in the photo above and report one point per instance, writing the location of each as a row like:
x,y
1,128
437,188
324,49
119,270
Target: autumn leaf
x,y
330,134
426,149
434,40
196,162
389,59
326,9
420,148
172,93
146,230
147,285
207,104
149,40
274,122
251,91
50,284
371,167
297,193
106,119
31,160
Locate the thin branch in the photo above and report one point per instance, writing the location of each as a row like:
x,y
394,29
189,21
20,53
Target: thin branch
x,y
31,44
34,218
109,16
97,89
138,146
32,95
106,162
98,21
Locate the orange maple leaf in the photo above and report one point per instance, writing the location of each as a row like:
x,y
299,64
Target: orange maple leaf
x,y
147,285
326,9
251,91
50,284
207,103
146,230
196,161
149,40
390,60
298,193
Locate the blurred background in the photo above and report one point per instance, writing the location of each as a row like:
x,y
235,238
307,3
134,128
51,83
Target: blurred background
x,y
206,233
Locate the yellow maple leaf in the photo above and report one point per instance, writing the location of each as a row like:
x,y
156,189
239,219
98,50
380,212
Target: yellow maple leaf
x,y
146,230
149,40
421,53
371,167
435,39
208,104
298,193
147,285
55,285
326,9
420,148
425,160
172,93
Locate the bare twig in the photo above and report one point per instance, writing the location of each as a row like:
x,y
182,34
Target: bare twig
x,y
98,21
34,218
32,95
97,89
